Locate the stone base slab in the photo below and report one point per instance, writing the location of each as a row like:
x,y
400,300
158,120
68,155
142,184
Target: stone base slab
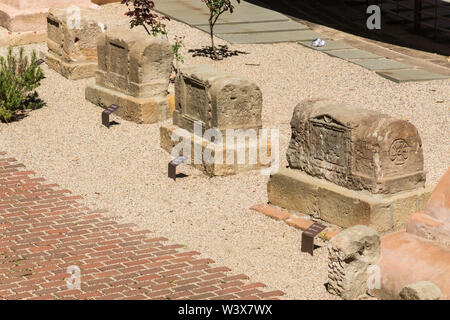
x,y
16,20
131,108
216,168
71,70
295,190
8,38
34,17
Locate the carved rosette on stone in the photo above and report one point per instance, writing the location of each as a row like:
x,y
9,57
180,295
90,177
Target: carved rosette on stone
x,y
133,73
351,166
72,45
223,107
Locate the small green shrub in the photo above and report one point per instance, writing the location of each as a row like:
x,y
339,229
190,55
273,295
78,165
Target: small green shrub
x,y
18,78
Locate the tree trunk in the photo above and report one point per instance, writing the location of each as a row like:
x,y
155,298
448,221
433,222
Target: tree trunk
x,y
211,33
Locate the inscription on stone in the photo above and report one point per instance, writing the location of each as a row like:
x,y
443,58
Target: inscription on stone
x,y
118,59
330,143
196,100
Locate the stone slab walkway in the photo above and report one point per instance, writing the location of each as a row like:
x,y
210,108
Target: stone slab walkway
x,y
44,230
251,23
385,67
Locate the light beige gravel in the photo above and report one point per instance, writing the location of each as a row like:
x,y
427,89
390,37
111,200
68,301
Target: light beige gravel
x,y
123,170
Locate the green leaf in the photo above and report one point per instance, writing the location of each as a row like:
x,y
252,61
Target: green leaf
x,y
19,76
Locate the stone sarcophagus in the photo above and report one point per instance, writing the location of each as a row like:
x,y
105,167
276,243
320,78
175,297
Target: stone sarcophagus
x,y
356,149
351,166
72,45
133,73
30,15
220,114
216,100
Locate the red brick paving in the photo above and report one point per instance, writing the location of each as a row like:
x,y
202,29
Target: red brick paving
x,y
44,230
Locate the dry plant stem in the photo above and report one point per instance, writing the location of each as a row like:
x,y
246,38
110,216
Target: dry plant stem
x,y
212,21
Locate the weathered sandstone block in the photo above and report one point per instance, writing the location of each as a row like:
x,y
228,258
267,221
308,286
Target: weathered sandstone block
x,y
350,254
72,50
216,100
30,15
298,191
133,73
422,290
351,166
218,114
355,148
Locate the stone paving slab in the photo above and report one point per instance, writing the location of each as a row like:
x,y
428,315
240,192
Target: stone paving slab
x,y
255,27
8,38
348,54
406,75
183,10
44,230
270,37
329,45
380,64
251,23
189,19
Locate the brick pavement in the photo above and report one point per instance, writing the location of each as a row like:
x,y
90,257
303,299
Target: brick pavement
x,y
44,230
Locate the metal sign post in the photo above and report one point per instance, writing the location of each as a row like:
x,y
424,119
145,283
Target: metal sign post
x,y
308,237
106,113
172,168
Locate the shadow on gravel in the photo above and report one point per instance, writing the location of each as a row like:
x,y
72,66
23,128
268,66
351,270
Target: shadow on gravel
x,y
222,50
33,102
113,123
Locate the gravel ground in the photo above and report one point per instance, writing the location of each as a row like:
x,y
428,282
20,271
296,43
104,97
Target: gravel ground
x,y
124,170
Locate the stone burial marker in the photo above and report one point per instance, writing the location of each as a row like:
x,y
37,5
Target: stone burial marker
x,y
217,122
350,166
30,15
352,258
72,45
133,73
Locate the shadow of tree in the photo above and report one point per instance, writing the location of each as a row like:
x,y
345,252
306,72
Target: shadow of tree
x,y
222,50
